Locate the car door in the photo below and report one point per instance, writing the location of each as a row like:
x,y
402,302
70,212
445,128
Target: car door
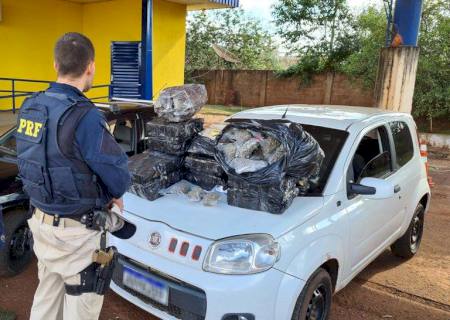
x,y
124,131
8,164
406,174
371,221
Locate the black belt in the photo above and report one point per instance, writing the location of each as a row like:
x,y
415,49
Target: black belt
x,y
83,218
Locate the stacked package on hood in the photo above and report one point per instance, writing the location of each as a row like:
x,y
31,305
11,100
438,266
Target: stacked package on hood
x,y
264,161
202,168
153,171
172,137
274,198
178,104
174,129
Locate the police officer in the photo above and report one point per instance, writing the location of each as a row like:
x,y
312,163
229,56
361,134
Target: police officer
x,y
70,166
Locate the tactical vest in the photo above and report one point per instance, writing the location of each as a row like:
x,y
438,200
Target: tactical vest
x,y
53,172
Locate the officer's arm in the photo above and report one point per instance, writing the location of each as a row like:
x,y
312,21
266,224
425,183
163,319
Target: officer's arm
x,y
102,153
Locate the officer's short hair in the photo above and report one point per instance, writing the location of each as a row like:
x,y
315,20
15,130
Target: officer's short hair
x,y
73,53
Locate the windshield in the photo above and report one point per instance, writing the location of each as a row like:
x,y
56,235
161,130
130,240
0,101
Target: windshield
x,y
331,142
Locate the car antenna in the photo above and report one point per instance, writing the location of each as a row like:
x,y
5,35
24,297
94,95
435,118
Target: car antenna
x,y
284,114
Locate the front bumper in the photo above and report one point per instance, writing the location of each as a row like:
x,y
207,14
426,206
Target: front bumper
x,y
269,295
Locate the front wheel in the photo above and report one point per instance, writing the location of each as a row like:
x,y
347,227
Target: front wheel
x,y
408,245
17,253
314,302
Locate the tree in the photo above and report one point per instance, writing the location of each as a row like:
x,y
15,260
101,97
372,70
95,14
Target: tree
x,y
370,33
231,29
319,32
432,92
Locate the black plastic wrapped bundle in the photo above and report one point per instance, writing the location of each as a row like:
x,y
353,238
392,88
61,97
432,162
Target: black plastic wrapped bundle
x,y
158,128
204,181
147,166
172,138
202,145
201,167
300,155
274,199
204,172
151,190
153,171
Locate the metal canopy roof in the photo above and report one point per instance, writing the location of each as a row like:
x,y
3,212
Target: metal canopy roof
x,y
208,4
191,4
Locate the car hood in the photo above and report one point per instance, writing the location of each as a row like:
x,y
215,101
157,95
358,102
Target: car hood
x,y
221,221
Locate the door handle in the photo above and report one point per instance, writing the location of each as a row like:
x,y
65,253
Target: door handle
x,y
397,189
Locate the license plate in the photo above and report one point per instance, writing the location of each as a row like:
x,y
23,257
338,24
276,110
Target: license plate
x,y
146,285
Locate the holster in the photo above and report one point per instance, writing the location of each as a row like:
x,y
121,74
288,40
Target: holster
x,y
97,276
94,220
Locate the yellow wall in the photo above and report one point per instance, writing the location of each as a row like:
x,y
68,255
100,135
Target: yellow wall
x,y
169,44
28,31
30,28
103,22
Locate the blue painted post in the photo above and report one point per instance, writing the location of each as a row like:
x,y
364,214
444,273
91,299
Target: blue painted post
x,y
407,20
147,50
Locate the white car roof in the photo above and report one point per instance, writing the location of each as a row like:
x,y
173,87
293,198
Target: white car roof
x,y
336,117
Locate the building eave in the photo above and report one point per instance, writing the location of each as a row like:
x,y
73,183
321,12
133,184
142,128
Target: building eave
x,y
193,5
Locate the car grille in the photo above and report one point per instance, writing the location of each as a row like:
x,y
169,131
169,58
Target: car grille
x,y
186,302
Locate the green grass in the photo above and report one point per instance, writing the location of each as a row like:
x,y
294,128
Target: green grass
x,y
443,131
5,315
437,131
221,110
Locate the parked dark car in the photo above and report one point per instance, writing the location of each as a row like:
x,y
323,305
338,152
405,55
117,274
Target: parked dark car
x,y
127,124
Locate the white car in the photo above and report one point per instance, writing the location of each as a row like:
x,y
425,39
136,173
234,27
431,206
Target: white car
x,y
188,261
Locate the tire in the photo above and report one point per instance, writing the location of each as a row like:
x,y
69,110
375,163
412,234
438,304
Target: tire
x,y
319,288
408,245
17,253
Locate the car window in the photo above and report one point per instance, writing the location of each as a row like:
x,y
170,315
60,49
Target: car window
x,y
123,132
331,142
372,157
378,167
112,126
403,142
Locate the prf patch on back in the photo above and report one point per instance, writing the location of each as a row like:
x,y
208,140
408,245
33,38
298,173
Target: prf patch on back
x,y
30,129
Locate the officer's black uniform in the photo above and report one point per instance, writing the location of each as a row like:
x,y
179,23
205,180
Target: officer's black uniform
x,y
68,161
71,167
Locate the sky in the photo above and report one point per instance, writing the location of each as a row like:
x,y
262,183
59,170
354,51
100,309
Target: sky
x,y
262,8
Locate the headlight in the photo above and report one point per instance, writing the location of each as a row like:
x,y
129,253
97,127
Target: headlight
x,y
242,254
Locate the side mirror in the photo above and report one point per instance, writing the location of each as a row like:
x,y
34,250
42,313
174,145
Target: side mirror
x,y
373,188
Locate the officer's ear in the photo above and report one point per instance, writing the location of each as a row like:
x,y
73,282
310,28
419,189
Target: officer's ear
x,y
91,68
55,66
